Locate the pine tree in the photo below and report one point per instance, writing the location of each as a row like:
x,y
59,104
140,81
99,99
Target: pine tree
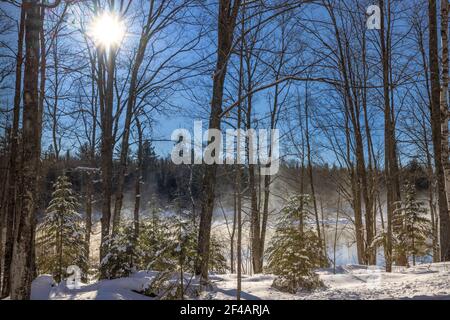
x,y
186,236
60,236
411,238
165,243
123,252
155,242
217,260
294,251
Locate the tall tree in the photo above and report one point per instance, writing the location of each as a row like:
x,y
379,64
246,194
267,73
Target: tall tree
x,y
160,16
107,59
60,236
22,259
227,15
444,113
389,135
444,218
13,197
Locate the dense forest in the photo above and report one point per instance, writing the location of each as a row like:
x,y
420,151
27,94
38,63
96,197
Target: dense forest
x,y
93,94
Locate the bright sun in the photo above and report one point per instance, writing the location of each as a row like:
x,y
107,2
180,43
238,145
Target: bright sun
x,y
107,30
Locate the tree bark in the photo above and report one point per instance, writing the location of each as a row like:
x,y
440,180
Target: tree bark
x,y
137,201
228,11
424,127
444,218
22,264
233,230
107,156
310,169
92,163
444,126
388,141
358,176
255,222
237,186
368,181
132,92
12,198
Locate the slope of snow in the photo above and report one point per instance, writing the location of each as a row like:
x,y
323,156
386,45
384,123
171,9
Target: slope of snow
x,y
256,287
116,289
430,281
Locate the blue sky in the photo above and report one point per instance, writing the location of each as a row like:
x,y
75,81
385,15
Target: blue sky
x,y
190,101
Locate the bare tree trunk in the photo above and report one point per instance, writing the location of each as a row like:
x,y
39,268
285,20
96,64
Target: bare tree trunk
x,y
55,107
239,232
132,92
238,166
400,258
358,177
22,263
336,226
137,201
228,11
255,222
431,203
43,68
265,215
254,178
88,209
92,163
388,142
273,122
302,154
310,169
361,175
107,155
444,120
233,230
430,174
13,198
3,206
444,218
369,197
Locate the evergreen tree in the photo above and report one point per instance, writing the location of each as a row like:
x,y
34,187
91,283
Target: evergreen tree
x,y
294,251
60,236
217,260
411,238
123,252
155,242
186,237
165,243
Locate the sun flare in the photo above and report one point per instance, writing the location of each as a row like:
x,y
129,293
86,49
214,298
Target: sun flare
x,y
107,30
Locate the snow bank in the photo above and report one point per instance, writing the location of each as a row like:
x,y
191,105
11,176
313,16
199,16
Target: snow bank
x,y
43,288
427,281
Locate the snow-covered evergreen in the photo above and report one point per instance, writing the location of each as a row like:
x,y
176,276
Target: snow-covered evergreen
x,y
123,254
164,243
60,236
294,251
415,228
155,241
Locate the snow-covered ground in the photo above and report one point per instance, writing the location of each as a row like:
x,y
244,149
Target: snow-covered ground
x,y
427,281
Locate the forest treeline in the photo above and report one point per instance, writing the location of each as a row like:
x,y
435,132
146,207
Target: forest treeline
x,y
363,116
